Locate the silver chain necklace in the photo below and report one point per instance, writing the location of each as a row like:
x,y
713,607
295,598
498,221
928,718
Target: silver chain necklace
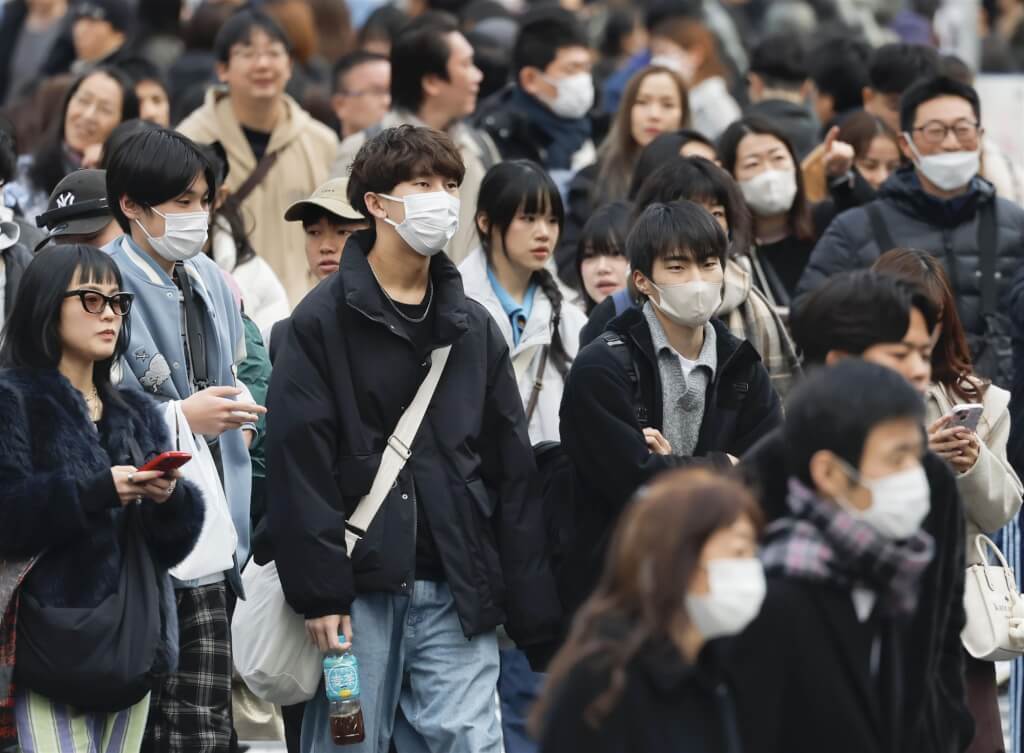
x,y
426,310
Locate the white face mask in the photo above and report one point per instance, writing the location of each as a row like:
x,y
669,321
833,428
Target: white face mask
x,y
575,95
184,234
899,502
736,592
431,220
947,170
689,304
770,193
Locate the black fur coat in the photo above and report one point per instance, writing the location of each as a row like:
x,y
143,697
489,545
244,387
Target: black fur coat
x,y
57,494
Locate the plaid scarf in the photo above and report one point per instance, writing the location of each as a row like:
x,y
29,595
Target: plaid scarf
x,y
11,576
820,542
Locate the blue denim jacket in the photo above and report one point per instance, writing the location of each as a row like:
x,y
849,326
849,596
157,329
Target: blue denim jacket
x,y
155,360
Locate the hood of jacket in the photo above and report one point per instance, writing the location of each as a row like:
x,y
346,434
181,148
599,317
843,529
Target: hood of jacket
x,y
904,189
736,288
215,121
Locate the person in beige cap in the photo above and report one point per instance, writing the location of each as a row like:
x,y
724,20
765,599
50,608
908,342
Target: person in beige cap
x,y
328,221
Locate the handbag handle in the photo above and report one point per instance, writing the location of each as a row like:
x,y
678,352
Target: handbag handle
x,y
981,542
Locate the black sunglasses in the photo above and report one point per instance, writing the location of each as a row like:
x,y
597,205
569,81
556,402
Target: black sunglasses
x,y
95,302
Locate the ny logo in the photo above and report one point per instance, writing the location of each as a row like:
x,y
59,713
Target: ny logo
x,y
65,199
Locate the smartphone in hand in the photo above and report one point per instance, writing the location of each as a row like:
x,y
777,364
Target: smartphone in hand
x,y
966,416
167,461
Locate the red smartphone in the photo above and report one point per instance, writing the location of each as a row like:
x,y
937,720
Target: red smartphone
x,y
167,461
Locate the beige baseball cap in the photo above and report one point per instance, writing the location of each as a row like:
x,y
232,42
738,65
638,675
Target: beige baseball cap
x,y
332,197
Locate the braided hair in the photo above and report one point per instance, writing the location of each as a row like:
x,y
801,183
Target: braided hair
x,y
523,186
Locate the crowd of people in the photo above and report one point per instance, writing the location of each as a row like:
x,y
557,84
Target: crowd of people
x,y
601,376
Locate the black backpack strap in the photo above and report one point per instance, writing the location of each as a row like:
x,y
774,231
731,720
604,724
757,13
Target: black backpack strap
x,y
195,337
878,228
623,353
987,230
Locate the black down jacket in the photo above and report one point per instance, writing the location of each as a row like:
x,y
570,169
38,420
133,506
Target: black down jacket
x,y
342,377
948,229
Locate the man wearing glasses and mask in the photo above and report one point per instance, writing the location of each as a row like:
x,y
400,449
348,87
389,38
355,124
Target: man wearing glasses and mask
x,y
939,202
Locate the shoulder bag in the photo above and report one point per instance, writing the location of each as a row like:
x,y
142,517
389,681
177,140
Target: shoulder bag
x,y
272,651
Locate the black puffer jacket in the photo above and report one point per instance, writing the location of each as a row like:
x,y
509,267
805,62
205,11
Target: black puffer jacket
x,y
342,377
603,437
948,229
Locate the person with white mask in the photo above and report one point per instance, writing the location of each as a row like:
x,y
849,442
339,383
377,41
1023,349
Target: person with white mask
x,y
666,385
186,339
847,565
642,669
918,691
457,544
543,115
941,204
762,159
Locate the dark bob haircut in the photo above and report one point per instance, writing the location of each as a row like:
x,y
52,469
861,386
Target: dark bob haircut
x,y
153,166
31,336
696,179
238,29
925,91
398,154
660,152
854,311
800,222
837,408
676,229
604,234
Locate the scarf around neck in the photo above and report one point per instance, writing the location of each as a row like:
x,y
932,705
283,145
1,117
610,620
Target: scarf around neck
x,y
563,136
821,542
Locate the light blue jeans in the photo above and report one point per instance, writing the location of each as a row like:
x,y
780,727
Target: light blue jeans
x,y
422,681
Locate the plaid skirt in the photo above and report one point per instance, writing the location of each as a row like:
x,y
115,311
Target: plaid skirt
x,y
191,711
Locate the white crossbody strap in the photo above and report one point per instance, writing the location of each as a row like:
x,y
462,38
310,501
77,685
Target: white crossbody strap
x,y
396,452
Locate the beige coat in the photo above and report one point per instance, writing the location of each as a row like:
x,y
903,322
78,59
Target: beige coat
x,y
309,150
472,147
991,490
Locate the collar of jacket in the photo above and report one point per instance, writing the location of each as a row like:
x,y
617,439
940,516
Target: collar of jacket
x,y
731,351
219,120
904,189
116,423
363,293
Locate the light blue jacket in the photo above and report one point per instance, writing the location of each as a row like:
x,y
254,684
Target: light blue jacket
x,y
155,360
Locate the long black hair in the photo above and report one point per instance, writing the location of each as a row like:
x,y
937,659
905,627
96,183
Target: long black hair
x,y
31,335
524,186
48,165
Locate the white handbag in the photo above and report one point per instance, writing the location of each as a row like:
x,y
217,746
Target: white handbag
x,y
214,551
995,610
272,651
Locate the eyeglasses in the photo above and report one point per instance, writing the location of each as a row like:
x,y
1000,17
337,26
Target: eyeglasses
x,y
379,93
96,303
249,55
935,131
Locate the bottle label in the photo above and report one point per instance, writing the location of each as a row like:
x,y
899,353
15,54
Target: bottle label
x,y
341,677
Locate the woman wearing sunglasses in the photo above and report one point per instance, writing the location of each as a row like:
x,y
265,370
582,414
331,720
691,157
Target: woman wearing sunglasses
x,y
73,503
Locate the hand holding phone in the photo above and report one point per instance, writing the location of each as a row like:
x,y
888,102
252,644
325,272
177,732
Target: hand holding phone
x,y
167,461
966,416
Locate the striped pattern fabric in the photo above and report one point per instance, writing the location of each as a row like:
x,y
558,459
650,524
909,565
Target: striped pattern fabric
x,y
1009,540
48,727
191,711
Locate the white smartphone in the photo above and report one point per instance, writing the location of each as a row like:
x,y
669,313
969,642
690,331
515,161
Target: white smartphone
x,y
966,416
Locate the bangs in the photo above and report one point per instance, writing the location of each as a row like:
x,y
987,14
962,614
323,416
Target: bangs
x,y
94,267
606,230
439,162
518,186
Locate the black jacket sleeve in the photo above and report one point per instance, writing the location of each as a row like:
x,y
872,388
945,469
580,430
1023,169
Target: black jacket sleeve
x,y
565,727
761,414
39,509
834,253
305,510
532,606
600,432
